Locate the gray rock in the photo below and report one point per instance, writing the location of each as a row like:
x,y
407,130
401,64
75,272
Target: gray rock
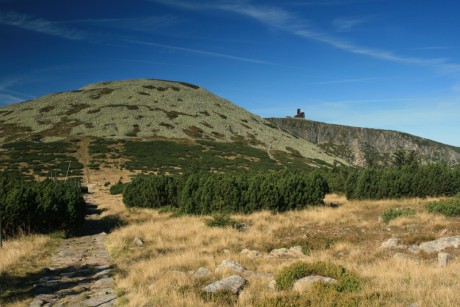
x,y
99,300
279,252
393,243
230,266
138,241
414,249
104,283
306,282
200,273
295,251
233,283
37,303
251,253
440,244
443,259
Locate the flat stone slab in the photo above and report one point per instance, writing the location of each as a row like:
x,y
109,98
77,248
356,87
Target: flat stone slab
x,y
440,244
233,283
99,300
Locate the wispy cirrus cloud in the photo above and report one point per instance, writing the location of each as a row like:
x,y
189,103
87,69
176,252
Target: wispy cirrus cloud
x,y
39,25
7,95
141,24
284,20
203,52
348,24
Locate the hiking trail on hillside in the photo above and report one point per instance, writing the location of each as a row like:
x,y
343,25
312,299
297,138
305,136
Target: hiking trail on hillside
x,y
80,273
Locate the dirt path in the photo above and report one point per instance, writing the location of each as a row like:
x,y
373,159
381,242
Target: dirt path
x,y
80,274
83,154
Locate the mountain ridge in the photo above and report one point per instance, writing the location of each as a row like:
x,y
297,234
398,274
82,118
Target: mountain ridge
x,y
367,146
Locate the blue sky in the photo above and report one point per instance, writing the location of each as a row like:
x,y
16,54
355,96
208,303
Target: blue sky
x,y
389,64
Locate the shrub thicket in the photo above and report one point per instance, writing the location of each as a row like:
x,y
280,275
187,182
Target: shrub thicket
x,y
29,206
449,207
223,220
206,193
394,213
406,181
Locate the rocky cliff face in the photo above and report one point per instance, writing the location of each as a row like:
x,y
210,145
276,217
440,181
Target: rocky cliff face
x,y
363,146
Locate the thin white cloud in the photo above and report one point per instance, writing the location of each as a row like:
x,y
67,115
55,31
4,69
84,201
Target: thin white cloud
x,y
39,25
203,52
145,24
331,2
340,81
282,19
348,24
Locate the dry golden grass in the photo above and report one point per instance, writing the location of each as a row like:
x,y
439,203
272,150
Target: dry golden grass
x,y
21,261
157,272
13,252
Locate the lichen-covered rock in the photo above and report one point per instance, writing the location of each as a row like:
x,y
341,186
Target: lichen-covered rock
x,y
229,265
200,272
251,253
295,251
444,259
233,283
306,282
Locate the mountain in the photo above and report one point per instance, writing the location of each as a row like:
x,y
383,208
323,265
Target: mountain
x,y
137,122
364,146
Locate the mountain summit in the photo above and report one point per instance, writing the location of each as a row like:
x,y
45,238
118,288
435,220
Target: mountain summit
x,y
145,109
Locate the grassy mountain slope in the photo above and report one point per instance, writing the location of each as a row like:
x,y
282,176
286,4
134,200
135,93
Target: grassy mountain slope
x,y
137,115
364,146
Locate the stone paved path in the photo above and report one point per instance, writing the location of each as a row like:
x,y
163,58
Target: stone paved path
x,y
80,270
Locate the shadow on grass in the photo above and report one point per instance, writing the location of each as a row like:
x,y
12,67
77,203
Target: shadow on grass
x,y
60,282
94,225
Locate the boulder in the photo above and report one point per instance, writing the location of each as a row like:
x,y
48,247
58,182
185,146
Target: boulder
x,y
444,259
306,282
138,241
229,265
200,273
233,283
393,243
440,244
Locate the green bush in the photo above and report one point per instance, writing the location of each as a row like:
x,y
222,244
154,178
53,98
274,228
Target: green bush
x,y
208,193
448,207
347,281
47,206
405,181
117,188
393,213
224,220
